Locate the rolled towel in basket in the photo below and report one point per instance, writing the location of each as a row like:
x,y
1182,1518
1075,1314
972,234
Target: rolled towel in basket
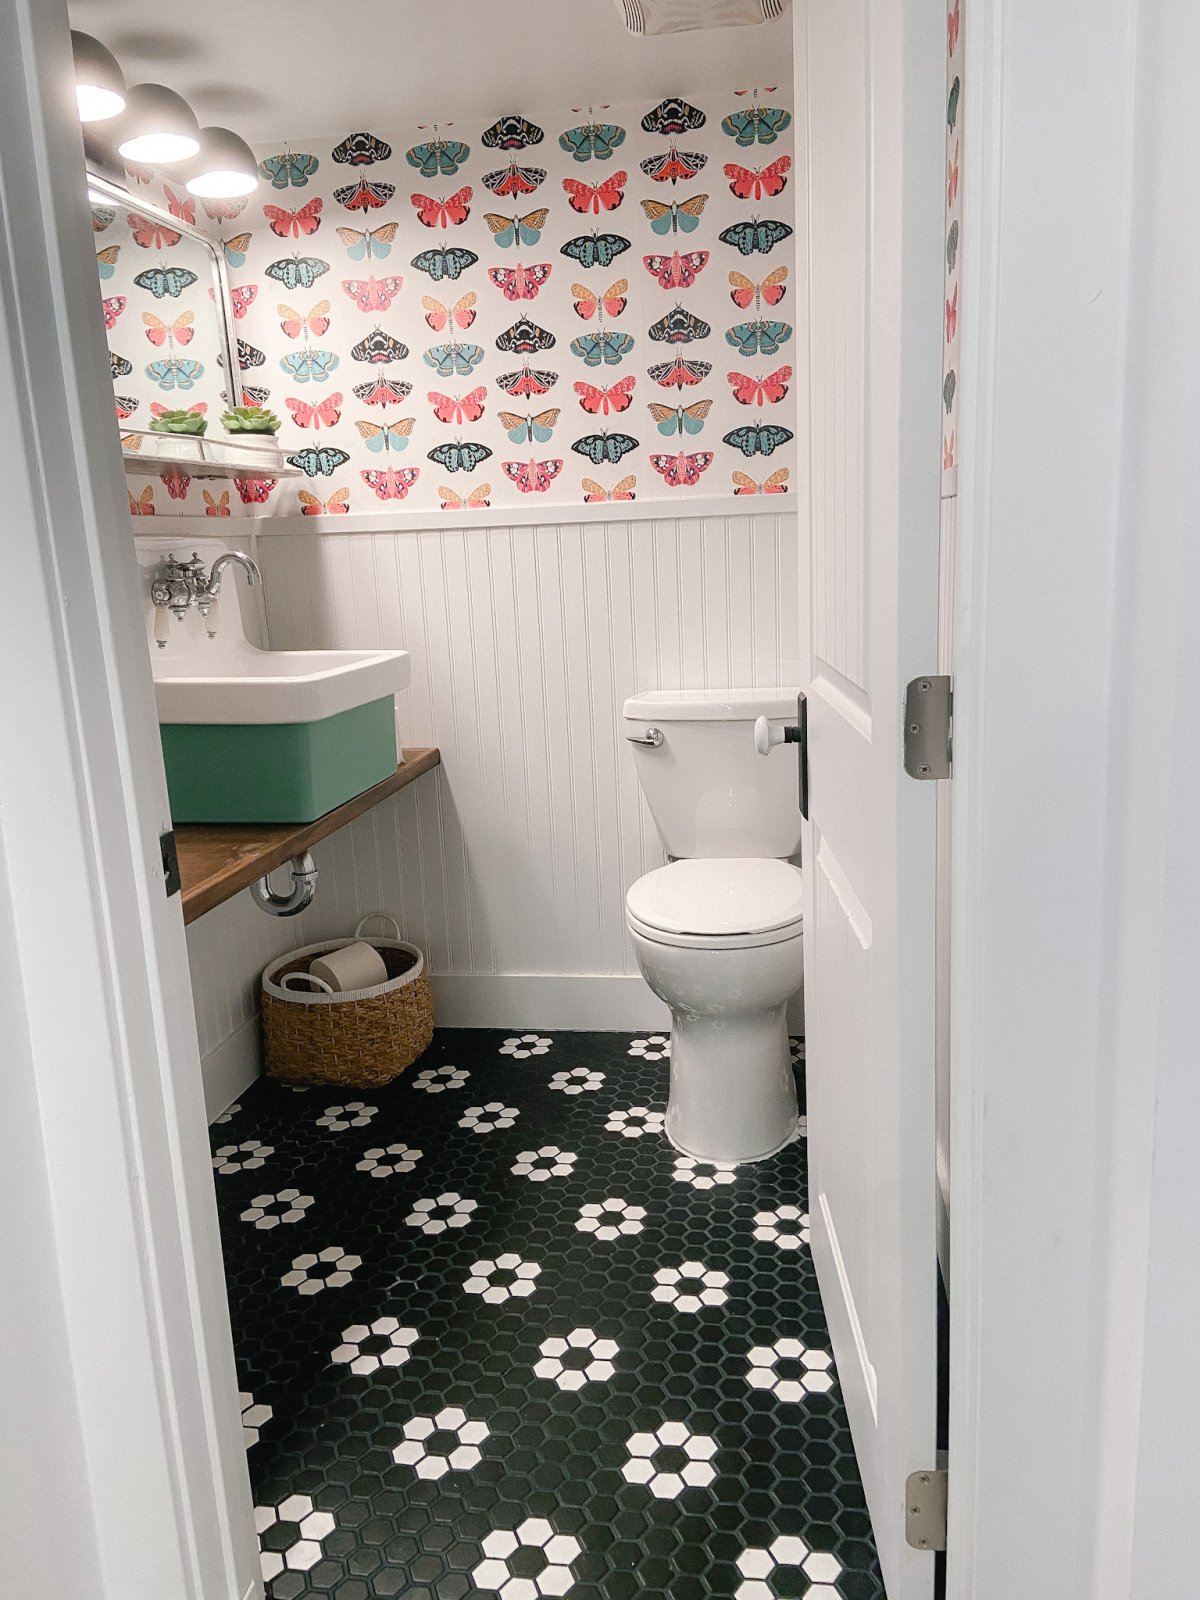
x,y
681,16
354,966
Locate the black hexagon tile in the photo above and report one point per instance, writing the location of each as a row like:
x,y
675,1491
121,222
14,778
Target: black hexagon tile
x,y
496,1337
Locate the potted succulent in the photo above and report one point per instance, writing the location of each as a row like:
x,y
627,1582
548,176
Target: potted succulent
x,y
242,420
178,422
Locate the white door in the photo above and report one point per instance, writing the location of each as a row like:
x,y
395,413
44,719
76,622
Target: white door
x,y
872,75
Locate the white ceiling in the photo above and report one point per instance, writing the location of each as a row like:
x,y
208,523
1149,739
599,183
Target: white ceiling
x,y
318,68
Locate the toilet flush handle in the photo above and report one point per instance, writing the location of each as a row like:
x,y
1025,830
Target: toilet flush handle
x,y
652,737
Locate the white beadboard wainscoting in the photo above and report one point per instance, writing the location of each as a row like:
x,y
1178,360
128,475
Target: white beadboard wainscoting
x,y
508,865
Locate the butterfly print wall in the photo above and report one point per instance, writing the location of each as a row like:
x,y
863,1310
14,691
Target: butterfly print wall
x,y
548,310
954,212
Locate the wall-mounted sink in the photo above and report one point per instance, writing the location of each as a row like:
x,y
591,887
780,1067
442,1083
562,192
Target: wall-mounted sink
x,y
248,685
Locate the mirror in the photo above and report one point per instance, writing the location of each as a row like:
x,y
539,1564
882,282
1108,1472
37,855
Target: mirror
x,y
166,309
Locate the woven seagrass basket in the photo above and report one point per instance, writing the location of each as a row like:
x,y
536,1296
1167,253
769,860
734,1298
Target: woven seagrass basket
x,y
360,1038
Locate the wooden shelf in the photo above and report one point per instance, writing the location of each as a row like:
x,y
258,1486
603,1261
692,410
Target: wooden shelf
x,y
219,860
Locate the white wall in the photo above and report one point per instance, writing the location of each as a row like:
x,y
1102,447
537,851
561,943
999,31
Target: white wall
x,y
509,866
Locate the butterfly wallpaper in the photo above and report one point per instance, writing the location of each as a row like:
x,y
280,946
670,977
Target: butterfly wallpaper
x,y
954,133
555,310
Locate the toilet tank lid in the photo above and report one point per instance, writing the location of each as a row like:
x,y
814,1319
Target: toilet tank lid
x,y
711,705
715,895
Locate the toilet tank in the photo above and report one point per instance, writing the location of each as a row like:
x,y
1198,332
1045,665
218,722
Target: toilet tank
x,y
708,789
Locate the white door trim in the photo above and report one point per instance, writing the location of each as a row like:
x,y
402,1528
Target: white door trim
x,y
99,1023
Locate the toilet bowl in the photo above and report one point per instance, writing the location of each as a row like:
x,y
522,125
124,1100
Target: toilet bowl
x,y
718,933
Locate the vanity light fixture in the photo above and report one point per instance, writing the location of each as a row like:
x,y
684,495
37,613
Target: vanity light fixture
x,y
225,167
99,81
159,126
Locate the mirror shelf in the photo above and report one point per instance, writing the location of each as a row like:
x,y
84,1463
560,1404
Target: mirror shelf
x,y
202,457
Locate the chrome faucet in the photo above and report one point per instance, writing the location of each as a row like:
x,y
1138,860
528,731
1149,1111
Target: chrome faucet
x,y
179,585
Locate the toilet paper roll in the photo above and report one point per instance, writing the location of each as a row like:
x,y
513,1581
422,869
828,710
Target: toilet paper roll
x,y
354,966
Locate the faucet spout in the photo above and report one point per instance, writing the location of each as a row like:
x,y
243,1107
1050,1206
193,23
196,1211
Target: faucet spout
x,y
231,558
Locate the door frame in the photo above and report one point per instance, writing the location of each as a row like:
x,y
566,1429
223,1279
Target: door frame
x,y
1074,1463
120,1311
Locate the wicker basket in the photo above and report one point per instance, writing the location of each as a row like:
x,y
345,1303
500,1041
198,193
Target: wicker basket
x,y
359,1037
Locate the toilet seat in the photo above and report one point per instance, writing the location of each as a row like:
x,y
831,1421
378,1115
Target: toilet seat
x,y
718,903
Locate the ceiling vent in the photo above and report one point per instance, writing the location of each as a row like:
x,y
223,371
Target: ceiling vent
x,y
682,16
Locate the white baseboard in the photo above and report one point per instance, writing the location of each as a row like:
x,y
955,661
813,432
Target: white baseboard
x,y
231,1067
571,1003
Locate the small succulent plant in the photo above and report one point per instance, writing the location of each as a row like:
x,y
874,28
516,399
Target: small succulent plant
x,y
178,422
249,419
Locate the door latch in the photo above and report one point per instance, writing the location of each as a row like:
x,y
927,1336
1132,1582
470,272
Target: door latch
x,y
172,883
928,706
766,737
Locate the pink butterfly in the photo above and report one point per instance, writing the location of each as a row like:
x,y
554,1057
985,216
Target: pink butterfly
x,y
152,235
617,397
177,481
294,323
952,315
598,197
953,22
181,206
751,183
143,506
255,491
393,483
294,224
243,298
157,409
682,470
676,271
443,213
372,294
750,391
593,491
465,408
112,308
338,504
325,414
461,313
532,477
520,283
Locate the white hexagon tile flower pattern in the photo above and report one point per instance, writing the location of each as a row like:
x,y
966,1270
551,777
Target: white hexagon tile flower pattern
x,y
384,1161
805,1371
487,1118
269,1210
758,1567
635,1121
290,1535
609,1219
670,1460
527,1562
242,1157
331,1268
576,1080
690,1286
366,1347
255,1416
525,1045
578,1359
446,1211
547,1162
655,1047
436,1080
446,1442
703,1174
354,1114
228,1114
786,1227
505,1278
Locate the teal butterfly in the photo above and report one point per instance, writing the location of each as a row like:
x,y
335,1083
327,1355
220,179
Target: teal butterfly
x,y
106,259
165,281
535,429
680,216
175,372
758,440
236,248
459,457
758,125
758,338
297,272
604,447
594,140
444,261
680,419
755,236
438,157
607,348
288,170
386,435
369,243
596,249
318,460
303,365
450,360
510,231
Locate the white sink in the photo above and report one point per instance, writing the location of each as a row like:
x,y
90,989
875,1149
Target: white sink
x,y
247,685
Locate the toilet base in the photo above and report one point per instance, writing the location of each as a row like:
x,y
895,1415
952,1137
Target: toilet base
x,y
733,1093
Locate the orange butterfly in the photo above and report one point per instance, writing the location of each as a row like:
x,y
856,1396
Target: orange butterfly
x,y
337,505
438,316
180,331
617,397
952,177
144,505
152,235
952,315
294,323
465,408
948,444
324,414
592,491
216,508
183,207
610,304
750,391
953,23
744,292
751,183
597,197
453,501
295,224
443,213
157,409
775,484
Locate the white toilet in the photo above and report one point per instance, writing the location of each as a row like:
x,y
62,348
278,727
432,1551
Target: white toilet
x,y
718,932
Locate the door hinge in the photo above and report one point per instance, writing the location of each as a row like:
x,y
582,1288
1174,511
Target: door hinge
x,y
170,863
928,706
925,1509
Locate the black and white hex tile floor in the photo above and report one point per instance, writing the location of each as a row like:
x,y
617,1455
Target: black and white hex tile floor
x,y
496,1337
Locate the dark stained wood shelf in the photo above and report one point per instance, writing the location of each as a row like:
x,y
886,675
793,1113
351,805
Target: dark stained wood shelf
x,y
219,860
